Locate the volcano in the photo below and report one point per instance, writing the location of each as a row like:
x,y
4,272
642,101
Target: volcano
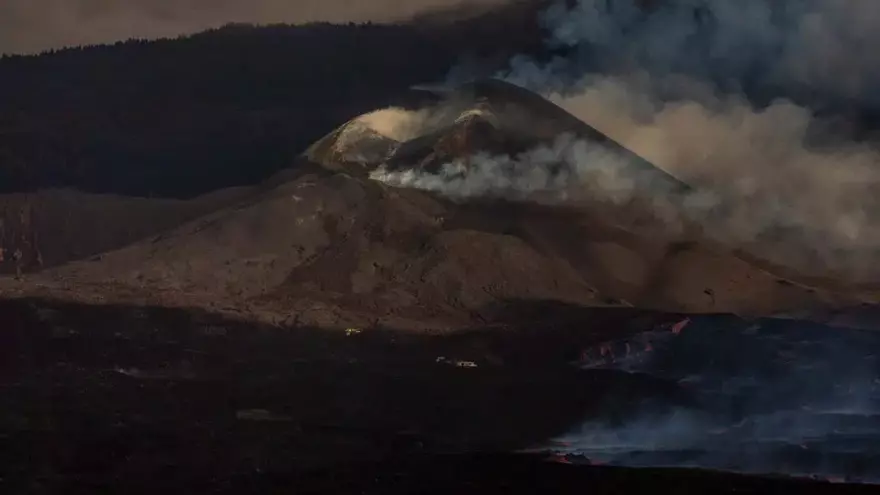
x,y
323,243
450,271
487,116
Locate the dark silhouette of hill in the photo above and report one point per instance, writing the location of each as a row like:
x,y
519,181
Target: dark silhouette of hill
x,y
176,118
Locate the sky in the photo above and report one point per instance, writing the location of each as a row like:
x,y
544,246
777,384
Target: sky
x,y
31,26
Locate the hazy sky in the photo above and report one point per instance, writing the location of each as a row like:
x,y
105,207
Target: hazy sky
x,y
28,26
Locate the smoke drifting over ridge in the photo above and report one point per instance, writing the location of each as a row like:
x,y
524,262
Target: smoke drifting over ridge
x,y
805,45
668,82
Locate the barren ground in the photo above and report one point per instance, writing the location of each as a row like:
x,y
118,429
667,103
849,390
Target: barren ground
x,y
144,399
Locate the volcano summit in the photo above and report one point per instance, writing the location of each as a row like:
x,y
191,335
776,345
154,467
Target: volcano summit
x,y
480,120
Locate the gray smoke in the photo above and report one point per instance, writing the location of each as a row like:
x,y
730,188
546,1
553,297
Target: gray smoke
x,y
779,193
666,84
527,174
814,45
779,397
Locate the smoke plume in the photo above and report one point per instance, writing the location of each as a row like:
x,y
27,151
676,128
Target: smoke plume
x,y
708,91
774,185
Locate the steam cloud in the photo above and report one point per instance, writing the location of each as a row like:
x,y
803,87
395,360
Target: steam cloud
x,y
668,83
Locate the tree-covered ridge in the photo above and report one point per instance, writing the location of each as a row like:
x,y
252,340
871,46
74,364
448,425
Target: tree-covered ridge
x,y
224,107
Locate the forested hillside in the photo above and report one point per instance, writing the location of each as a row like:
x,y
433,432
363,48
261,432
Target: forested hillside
x,y
176,118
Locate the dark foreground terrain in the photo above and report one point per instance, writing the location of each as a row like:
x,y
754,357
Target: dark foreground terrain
x,y
142,400
500,473
464,474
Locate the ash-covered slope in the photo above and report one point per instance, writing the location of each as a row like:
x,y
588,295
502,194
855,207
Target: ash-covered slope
x,y
330,249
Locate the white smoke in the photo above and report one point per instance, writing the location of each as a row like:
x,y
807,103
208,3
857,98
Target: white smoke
x,y
568,170
816,45
523,175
